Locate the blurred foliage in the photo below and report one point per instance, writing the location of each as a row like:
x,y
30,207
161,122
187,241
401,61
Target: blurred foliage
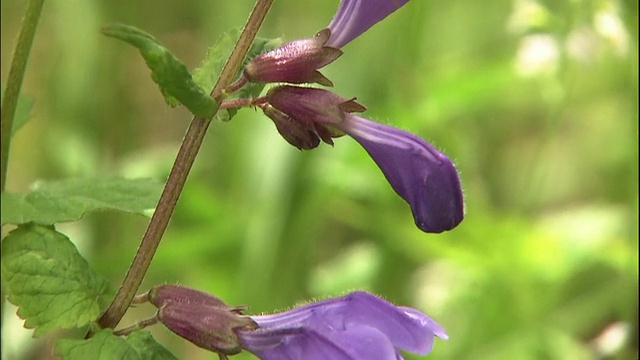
x,y
535,101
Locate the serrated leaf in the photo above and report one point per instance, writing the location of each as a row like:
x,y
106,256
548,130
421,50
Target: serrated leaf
x,y
23,110
167,71
103,345
70,199
211,67
49,281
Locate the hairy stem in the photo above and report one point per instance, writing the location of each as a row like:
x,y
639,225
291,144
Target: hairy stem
x,y
178,175
236,103
14,80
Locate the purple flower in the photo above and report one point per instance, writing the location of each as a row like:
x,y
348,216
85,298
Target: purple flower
x,y
356,16
420,174
298,61
352,327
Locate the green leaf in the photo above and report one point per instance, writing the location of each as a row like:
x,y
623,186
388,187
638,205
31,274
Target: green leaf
x,y
23,110
49,281
70,199
211,67
207,73
139,345
148,347
166,70
101,346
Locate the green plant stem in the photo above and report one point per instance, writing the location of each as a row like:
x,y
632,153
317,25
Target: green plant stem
x,y
14,80
178,175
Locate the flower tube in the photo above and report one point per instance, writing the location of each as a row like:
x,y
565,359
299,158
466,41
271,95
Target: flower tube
x,y
419,173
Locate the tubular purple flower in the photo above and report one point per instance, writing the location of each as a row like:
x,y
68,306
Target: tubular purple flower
x,y
298,61
424,177
419,173
356,16
355,326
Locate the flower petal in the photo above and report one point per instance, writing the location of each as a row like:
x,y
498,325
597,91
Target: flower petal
x,y
310,344
355,326
418,172
356,16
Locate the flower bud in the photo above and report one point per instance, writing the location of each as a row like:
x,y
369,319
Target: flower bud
x,y
294,62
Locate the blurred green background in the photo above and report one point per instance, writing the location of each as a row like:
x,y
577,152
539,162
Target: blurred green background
x,y
535,101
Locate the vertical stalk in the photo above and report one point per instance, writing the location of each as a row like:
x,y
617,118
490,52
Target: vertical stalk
x,y
14,81
178,175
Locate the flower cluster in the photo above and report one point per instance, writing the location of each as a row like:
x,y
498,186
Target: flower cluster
x,y
356,326
304,116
